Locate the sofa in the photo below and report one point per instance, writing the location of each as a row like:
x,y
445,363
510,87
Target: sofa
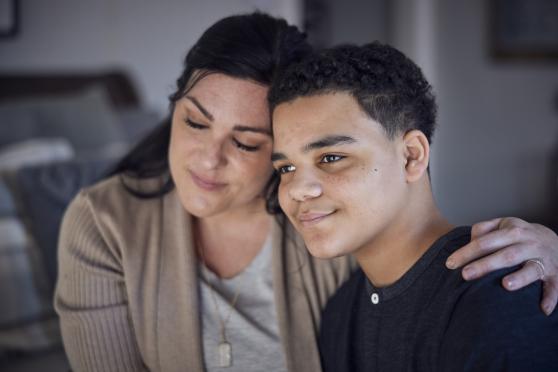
x,y
58,134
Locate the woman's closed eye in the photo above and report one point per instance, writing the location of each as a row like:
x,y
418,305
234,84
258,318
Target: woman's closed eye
x,y
245,147
240,145
195,125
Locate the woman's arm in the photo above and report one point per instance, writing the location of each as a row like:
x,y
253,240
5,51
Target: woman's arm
x,y
91,297
506,242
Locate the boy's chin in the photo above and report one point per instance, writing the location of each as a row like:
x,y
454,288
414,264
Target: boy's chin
x,y
324,252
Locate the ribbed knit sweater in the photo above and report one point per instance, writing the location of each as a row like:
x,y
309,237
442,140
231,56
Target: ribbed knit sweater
x,y
127,290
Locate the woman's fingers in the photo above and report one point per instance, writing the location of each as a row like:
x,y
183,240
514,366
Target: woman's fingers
x,y
550,295
505,242
529,273
510,256
485,243
485,227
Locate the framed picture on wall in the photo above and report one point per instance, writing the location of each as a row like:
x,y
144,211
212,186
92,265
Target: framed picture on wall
x,y
9,18
524,29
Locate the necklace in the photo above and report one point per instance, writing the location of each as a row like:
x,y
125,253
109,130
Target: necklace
x,y
224,349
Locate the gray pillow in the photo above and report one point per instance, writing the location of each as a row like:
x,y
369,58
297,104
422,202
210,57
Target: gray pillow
x,y
85,119
35,151
18,122
7,206
27,318
44,193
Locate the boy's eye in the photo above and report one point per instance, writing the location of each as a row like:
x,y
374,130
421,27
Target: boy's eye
x,y
286,169
330,158
244,147
195,125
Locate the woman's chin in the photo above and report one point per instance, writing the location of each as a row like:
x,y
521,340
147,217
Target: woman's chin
x,y
199,207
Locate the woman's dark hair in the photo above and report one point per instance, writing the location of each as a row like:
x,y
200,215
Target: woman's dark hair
x,y
252,46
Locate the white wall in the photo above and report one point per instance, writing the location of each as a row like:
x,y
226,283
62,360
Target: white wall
x,y
147,38
358,21
498,121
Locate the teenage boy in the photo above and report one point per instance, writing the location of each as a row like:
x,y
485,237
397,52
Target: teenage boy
x,y
352,129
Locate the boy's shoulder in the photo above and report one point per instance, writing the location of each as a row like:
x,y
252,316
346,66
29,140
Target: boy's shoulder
x,y
439,251
494,329
491,328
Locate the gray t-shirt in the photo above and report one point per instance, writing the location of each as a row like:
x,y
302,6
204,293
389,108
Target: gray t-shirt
x,y
252,329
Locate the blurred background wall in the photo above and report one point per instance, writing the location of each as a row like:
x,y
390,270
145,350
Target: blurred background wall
x,y
495,150
147,38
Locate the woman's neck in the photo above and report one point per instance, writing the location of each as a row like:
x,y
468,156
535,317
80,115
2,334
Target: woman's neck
x,y
229,242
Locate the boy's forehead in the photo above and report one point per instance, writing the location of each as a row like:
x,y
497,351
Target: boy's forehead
x,y
322,107
309,118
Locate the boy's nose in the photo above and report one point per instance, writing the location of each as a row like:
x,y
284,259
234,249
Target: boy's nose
x,y
305,188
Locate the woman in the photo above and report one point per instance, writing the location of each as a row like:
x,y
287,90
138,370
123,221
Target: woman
x,y
173,264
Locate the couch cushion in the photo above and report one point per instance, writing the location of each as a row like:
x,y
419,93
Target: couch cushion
x,y
27,318
86,120
44,193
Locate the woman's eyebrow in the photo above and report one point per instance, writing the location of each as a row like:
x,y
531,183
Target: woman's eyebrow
x,y
247,128
200,107
239,128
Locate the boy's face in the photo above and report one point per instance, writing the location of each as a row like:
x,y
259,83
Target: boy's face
x,y
342,179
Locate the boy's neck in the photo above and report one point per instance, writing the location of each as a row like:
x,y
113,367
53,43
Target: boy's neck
x,y
393,252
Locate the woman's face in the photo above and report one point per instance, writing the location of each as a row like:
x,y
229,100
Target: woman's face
x,y
220,145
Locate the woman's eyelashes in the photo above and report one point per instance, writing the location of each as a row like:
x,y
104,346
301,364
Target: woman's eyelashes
x,y
244,147
195,125
240,145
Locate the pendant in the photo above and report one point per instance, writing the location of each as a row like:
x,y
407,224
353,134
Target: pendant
x,y
225,354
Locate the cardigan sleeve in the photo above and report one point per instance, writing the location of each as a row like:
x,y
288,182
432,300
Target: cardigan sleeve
x,y
91,298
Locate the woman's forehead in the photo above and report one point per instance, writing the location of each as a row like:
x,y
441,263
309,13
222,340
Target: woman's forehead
x,y
222,98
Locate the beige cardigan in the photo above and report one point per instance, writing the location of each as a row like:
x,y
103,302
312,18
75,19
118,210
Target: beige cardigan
x,y
127,290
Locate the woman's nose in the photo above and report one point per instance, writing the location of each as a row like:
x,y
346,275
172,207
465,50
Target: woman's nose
x,y
212,155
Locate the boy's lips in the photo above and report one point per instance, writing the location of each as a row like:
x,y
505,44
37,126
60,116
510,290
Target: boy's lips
x,y
307,219
206,183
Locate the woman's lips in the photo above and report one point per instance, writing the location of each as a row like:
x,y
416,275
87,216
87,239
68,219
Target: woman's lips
x,y
312,218
206,184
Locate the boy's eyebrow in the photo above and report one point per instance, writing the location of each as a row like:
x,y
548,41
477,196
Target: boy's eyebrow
x,y
327,142
202,109
277,156
322,142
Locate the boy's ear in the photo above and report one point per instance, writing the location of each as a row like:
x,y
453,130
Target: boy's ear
x,y
417,154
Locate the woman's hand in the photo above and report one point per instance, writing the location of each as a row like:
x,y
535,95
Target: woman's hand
x,y
505,242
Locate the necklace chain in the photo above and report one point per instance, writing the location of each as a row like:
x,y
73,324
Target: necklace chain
x,y
224,348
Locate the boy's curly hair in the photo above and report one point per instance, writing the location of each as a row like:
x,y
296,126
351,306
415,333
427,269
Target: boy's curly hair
x,y
387,85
